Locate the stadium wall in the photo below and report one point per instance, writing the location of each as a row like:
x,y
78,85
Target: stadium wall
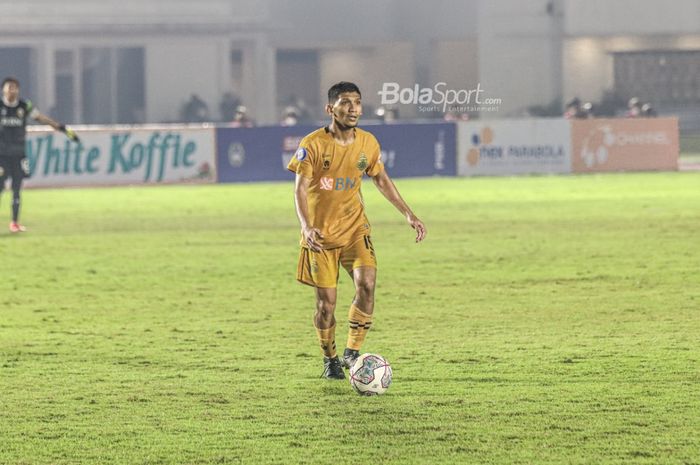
x,y
510,147
600,145
262,154
205,154
557,146
119,156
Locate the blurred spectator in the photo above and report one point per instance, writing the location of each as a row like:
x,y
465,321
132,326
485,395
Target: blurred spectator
x,y
227,106
587,110
302,114
634,108
195,110
608,106
648,111
290,116
241,119
574,109
451,115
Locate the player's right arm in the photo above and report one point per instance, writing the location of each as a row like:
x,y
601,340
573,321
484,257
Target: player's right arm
x,y
43,119
312,236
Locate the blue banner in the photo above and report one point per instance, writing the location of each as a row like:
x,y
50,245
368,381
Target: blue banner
x,y
410,150
262,154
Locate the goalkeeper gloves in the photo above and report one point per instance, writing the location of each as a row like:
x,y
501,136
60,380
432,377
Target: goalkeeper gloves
x,y
69,133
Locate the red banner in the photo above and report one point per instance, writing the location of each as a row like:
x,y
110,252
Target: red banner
x,y
639,144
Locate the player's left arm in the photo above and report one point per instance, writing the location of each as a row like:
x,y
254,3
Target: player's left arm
x,y
388,189
43,119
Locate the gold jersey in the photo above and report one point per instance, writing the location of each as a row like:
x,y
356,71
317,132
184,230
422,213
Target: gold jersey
x,y
334,196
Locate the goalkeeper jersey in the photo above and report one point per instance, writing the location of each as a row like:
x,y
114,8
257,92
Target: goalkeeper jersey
x,y
13,127
334,196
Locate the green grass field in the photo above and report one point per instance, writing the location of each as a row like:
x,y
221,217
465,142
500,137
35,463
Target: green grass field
x,y
545,320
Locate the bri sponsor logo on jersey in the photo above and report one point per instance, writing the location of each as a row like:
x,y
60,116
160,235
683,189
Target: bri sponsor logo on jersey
x,y
337,184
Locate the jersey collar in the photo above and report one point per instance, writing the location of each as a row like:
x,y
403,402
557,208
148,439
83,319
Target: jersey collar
x,y
8,104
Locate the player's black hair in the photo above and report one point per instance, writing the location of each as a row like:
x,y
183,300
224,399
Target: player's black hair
x,y
339,88
9,79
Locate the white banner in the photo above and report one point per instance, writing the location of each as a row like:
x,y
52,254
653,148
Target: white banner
x,y
121,156
508,147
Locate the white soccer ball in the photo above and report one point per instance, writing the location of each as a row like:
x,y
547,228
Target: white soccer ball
x,y
370,375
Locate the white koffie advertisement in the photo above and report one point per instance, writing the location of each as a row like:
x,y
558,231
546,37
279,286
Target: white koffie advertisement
x,y
121,156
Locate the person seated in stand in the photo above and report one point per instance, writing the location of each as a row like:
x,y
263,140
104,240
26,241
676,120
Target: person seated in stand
x,y
573,109
634,108
648,111
290,117
241,118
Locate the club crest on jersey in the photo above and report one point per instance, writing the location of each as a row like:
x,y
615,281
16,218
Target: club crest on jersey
x,y
20,113
326,162
362,162
300,154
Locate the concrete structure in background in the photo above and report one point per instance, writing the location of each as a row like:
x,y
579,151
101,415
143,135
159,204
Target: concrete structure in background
x,y
605,51
138,60
131,61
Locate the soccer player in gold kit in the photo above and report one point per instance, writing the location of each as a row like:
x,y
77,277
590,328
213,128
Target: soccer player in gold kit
x,y
329,166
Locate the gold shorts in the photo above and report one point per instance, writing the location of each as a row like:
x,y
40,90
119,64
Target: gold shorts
x,y
320,269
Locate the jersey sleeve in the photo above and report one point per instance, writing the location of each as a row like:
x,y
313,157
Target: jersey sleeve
x,y
375,165
32,111
301,161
